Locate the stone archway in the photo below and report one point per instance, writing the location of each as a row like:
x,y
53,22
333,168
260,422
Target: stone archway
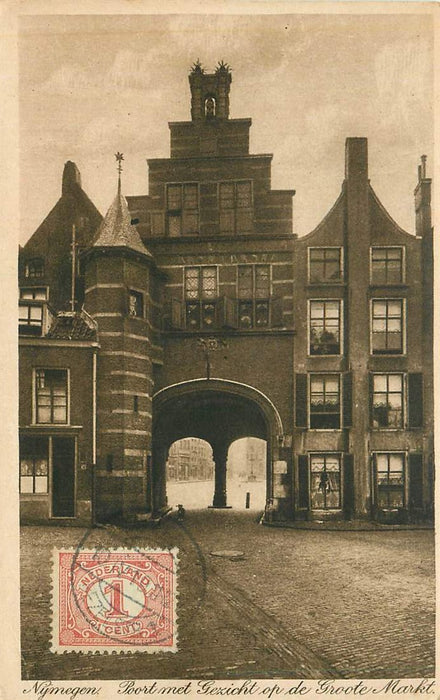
x,y
216,410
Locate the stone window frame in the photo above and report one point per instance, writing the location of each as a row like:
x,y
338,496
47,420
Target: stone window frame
x,y
403,305
35,406
323,280
387,392
325,376
235,208
388,487
340,326
200,300
180,211
387,248
326,455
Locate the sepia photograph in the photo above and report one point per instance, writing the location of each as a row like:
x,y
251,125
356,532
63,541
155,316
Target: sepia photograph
x,y
225,443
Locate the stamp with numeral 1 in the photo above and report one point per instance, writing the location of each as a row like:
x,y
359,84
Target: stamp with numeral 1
x,y
120,600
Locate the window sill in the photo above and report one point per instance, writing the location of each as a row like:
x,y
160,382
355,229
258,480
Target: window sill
x,y
395,285
33,496
315,357
325,430
314,285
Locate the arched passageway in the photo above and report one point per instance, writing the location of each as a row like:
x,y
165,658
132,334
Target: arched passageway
x,y
246,474
220,412
190,473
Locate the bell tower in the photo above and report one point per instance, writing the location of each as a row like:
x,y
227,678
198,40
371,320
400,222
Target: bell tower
x,y
210,92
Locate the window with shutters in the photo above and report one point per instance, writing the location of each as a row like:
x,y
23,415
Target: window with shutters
x,y
325,401
387,326
387,400
325,265
200,297
253,292
387,265
325,481
325,336
51,396
235,206
183,209
34,464
389,479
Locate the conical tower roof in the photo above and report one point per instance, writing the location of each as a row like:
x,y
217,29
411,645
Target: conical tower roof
x,y
116,230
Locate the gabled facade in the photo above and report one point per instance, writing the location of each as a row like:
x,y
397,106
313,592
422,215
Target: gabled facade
x,y
210,319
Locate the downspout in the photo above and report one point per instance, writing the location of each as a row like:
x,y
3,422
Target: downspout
x,y
94,383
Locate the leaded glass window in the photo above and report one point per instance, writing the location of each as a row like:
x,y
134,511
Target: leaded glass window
x,y
253,294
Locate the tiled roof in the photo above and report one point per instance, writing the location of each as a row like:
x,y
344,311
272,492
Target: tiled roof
x,y
69,325
117,230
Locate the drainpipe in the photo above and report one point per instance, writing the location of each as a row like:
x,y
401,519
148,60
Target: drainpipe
x,y
94,374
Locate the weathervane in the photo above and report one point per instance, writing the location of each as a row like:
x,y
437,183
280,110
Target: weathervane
x,y
119,157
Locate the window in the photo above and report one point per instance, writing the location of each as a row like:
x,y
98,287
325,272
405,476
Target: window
x,y
236,210
325,327
387,401
325,481
39,293
200,296
34,269
325,401
34,461
387,265
253,296
30,318
183,209
389,480
51,395
325,265
135,304
387,326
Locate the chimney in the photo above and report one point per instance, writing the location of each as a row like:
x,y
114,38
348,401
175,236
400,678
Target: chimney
x,y
422,201
71,177
356,159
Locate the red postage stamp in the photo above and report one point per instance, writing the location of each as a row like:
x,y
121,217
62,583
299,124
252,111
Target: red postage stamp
x,y
114,600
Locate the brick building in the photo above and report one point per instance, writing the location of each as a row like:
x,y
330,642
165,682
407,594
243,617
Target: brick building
x,y
196,312
190,459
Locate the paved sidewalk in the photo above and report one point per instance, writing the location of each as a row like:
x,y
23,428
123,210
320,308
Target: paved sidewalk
x,y
299,604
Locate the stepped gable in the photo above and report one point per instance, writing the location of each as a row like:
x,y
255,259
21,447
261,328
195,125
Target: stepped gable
x,y
116,230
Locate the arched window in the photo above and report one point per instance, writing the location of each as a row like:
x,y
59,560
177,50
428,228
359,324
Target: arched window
x,y
209,107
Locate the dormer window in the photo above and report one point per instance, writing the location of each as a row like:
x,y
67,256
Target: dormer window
x,y
34,269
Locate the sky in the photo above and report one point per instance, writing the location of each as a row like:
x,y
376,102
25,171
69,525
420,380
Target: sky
x,y
91,85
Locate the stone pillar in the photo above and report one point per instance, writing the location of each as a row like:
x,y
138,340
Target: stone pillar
x,y
220,456
160,456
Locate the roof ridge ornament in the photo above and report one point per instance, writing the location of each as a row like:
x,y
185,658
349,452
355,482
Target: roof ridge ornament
x,y
119,157
197,67
223,67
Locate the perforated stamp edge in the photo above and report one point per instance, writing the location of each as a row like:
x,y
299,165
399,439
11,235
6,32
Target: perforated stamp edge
x,y
56,648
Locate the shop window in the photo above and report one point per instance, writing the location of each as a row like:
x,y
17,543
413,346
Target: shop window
x,y
387,322
200,296
135,304
387,401
236,210
387,265
389,479
325,481
34,269
325,403
34,464
325,265
325,327
253,296
51,396
183,209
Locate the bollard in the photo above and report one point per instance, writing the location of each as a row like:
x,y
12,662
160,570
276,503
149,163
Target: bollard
x,y
248,499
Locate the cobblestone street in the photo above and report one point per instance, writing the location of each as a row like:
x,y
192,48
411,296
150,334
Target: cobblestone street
x,y
304,604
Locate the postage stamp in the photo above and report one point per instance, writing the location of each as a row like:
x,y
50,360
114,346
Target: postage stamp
x,y
121,600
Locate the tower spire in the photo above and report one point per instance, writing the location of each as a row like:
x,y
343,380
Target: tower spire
x,y
119,157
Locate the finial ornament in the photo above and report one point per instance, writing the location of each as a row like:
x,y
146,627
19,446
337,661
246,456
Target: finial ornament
x,y
223,67
197,67
119,157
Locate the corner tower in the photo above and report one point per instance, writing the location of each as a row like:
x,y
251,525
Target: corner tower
x,y
118,270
